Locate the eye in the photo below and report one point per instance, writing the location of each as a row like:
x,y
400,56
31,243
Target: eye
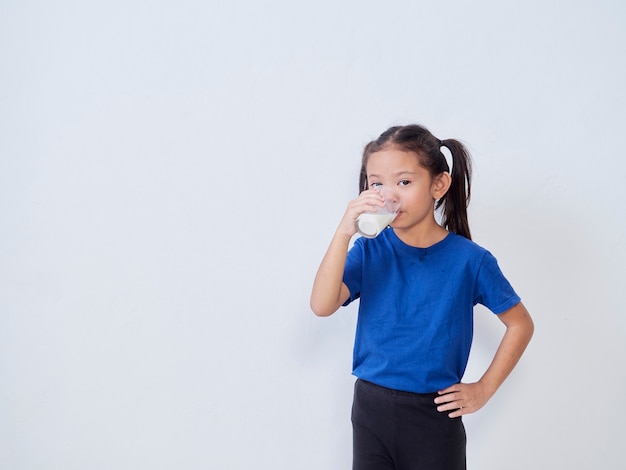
x,y
375,185
404,183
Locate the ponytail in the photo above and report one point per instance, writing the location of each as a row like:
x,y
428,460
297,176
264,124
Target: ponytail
x,y
456,200
418,139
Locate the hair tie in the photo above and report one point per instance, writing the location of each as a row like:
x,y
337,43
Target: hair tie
x,y
447,155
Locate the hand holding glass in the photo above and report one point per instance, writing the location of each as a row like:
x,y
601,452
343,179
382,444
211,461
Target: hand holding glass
x,y
371,224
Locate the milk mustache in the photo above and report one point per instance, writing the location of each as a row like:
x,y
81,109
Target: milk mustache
x,y
371,224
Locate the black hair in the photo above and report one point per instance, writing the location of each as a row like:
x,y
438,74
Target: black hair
x,y
427,147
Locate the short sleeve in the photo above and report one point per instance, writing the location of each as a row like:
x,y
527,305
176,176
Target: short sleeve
x,y
492,289
353,271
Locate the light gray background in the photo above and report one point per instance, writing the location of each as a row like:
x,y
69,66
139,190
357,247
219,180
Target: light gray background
x,y
171,173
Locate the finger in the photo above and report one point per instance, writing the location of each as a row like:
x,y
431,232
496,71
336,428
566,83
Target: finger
x,y
448,397
366,204
452,406
365,208
452,388
373,195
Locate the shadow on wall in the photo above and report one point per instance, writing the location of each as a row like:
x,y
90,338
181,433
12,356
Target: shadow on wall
x,y
566,272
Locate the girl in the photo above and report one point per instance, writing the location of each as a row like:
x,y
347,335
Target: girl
x,y
417,282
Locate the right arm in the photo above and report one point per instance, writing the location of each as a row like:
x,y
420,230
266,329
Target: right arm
x,y
329,292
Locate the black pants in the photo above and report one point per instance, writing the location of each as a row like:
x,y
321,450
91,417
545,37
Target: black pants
x,y
394,430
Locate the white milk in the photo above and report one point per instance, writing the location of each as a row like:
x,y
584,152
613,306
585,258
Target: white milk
x,y
370,225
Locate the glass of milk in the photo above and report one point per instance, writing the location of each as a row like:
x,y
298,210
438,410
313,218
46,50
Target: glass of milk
x,y
371,224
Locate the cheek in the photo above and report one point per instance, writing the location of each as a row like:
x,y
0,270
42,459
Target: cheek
x,y
418,195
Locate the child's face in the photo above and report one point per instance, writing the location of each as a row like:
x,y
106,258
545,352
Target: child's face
x,y
401,172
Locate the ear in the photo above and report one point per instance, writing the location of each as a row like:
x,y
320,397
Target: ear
x,y
441,184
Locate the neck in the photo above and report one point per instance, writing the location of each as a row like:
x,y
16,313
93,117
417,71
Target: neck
x,y
423,238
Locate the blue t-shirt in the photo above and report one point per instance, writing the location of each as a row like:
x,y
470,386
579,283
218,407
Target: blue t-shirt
x,y
415,323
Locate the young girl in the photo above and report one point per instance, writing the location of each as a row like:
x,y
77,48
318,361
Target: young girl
x,y
417,282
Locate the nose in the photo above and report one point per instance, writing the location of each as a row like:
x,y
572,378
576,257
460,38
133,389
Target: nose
x,y
392,200
389,194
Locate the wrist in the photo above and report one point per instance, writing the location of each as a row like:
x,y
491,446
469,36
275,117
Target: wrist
x,y
342,234
490,387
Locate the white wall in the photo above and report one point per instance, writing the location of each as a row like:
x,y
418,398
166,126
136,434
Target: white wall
x,y
171,173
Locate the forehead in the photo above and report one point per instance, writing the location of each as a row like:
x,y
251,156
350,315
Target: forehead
x,y
392,161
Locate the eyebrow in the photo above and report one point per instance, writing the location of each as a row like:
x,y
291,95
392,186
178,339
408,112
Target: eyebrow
x,y
399,173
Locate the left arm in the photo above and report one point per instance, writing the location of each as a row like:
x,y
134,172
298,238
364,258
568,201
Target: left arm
x,y
464,398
